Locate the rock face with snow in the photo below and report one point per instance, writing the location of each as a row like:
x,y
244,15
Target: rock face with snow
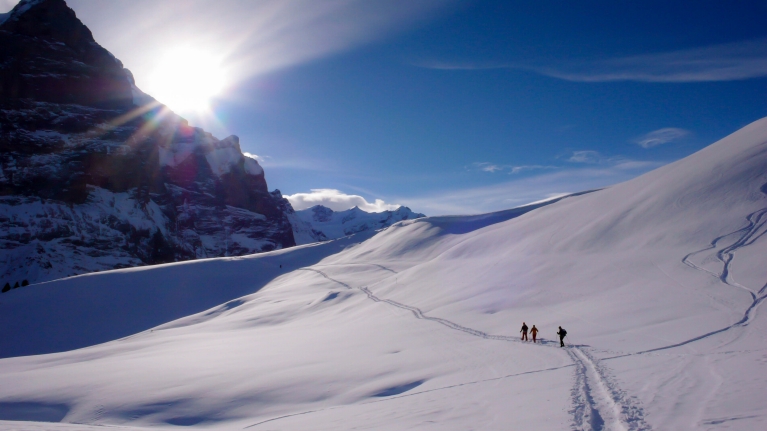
x,y
320,223
95,174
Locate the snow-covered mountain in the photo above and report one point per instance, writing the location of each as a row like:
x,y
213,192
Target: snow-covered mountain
x,y
96,175
658,281
320,223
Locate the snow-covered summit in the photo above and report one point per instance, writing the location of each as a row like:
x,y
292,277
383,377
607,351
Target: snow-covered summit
x,y
320,223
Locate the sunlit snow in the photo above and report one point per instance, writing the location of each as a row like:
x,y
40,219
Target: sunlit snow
x,y
659,282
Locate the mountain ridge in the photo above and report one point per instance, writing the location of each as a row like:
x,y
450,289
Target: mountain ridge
x,y
95,174
320,223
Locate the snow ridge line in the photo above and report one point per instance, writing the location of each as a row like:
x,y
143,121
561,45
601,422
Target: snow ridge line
x,y
622,412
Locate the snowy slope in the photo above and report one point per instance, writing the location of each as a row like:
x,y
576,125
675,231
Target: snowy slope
x,y
659,282
131,300
320,223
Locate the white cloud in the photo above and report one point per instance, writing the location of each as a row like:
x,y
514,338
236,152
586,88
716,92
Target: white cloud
x,y
259,159
337,201
518,169
488,167
492,168
723,62
252,37
586,156
617,163
661,136
627,164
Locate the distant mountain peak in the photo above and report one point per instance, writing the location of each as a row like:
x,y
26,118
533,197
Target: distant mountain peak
x,y
320,223
321,213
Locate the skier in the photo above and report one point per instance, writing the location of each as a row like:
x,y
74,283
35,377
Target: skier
x,y
534,332
561,334
524,331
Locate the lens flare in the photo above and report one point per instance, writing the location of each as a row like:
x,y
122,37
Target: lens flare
x,y
187,79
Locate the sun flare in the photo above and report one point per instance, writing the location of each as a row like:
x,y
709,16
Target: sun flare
x,y
187,79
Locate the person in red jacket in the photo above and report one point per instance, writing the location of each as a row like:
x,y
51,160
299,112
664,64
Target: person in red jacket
x,y
534,332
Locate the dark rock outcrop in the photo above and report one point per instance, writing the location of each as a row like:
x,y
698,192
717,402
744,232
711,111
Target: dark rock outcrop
x,y
96,175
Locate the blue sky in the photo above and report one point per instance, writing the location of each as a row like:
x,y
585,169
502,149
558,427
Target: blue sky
x,y
459,107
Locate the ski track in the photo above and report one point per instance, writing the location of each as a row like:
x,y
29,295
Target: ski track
x,y
598,403
753,230
750,233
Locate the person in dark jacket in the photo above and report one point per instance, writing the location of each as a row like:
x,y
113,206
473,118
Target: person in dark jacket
x,y
534,332
524,331
561,334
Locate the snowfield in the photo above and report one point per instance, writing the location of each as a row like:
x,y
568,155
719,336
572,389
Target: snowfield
x,y
659,282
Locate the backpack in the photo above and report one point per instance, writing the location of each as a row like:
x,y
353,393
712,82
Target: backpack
x,y
562,333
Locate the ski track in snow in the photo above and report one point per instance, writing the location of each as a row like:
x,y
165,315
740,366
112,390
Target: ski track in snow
x,y
749,234
598,403
755,228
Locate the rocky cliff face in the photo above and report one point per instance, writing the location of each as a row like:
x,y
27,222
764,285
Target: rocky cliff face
x,y
96,175
320,223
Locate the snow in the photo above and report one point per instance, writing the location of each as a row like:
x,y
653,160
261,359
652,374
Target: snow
x,y
31,217
221,155
659,282
20,8
320,223
252,167
221,159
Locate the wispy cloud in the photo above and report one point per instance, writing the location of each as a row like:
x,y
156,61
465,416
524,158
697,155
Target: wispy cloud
x,y
618,163
259,159
252,38
511,169
337,201
487,167
523,168
586,156
723,62
661,136
523,190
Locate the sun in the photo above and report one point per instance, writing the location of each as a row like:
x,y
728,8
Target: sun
x,y
187,79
